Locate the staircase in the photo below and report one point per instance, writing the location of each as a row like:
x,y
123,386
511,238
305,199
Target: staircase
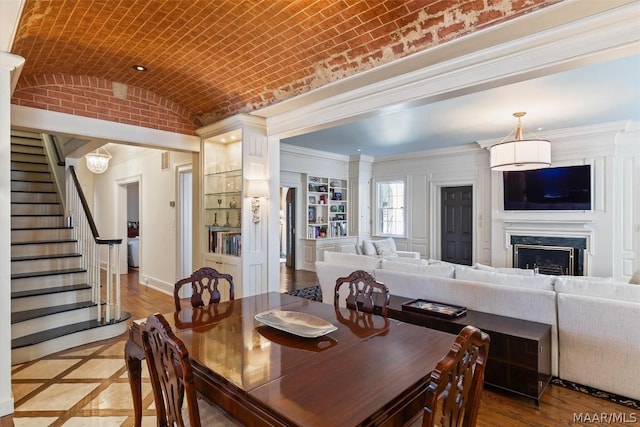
x,y
52,304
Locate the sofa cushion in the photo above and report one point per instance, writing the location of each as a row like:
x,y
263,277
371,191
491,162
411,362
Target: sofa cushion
x,y
426,270
385,247
506,270
359,261
368,248
635,279
541,282
407,260
619,291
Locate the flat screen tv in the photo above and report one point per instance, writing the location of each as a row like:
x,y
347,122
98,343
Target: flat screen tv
x,y
560,188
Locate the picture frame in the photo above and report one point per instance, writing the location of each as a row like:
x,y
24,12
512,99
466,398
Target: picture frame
x,y
434,308
311,214
312,200
337,196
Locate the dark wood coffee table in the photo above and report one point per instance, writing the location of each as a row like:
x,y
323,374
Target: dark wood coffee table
x,y
519,354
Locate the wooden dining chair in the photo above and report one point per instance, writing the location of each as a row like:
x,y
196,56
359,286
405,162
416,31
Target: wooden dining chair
x,y
172,380
453,395
205,283
364,292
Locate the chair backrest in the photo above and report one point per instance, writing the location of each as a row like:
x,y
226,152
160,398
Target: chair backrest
x,y
205,286
170,373
456,382
364,292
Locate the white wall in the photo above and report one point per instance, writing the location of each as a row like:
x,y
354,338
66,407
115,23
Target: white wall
x,y
158,245
425,173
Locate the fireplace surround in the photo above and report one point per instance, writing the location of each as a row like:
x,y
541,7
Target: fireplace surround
x,y
549,255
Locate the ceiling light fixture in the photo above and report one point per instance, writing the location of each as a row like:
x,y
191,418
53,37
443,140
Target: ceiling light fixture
x,y
520,154
140,68
98,162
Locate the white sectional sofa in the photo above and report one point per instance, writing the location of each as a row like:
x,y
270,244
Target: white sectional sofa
x,y
594,323
600,334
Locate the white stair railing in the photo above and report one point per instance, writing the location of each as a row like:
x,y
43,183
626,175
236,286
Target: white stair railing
x,y
91,246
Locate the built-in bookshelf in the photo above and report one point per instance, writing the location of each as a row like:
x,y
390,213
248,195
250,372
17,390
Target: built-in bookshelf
x,y
327,206
223,198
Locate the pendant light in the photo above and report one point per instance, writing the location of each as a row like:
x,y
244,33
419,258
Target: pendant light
x,y
98,162
520,154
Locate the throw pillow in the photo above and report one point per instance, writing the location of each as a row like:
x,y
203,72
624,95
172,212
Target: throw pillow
x,y
368,248
635,279
359,249
386,247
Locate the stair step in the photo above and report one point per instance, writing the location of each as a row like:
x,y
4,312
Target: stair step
x,y
22,316
26,138
55,247
32,302
34,197
37,221
29,322
48,263
38,345
31,158
47,291
47,273
20,175
39,281
26,149
37,234
29,167
32,186
36,209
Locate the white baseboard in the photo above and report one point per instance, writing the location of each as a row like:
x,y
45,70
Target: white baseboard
x,y
157,284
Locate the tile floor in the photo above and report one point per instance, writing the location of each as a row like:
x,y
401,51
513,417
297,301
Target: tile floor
x,y
83,386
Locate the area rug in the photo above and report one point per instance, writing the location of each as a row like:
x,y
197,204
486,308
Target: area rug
x,y
621,400
312,292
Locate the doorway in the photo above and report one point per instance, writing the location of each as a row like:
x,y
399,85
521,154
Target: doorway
x,y
185,220
127,214
290,228
456,225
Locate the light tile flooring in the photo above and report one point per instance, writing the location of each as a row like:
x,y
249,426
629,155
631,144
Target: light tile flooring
x,y
84,386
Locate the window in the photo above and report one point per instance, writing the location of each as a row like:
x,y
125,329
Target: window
x,y
390,218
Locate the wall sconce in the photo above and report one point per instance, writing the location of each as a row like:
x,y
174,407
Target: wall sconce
x,y
257,188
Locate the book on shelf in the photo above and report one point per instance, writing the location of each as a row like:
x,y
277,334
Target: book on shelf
x,y
225,242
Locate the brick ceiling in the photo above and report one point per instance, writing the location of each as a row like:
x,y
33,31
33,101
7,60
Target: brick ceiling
x,y
218,58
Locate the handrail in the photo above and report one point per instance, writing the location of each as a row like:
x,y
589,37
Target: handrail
x,y
89,243
56,148
85,205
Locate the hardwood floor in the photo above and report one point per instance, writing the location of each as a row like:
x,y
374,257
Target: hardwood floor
x,y
96,374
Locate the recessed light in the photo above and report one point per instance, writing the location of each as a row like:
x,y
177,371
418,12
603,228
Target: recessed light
x,y
140,68
359,150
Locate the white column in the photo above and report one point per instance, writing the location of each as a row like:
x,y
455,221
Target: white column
x,y
10,67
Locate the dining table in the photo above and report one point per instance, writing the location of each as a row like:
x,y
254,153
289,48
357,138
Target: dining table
x,y
359,369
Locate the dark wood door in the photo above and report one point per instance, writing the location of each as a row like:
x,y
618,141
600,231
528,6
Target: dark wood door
x,y
457,225
291,227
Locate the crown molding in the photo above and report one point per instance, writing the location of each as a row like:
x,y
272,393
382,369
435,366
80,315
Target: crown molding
x,y
310,152
557,38
231,123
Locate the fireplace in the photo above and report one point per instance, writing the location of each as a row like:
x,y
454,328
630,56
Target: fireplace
x,y
549,255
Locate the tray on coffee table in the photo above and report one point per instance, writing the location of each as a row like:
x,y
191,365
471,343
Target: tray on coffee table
x,y
434,308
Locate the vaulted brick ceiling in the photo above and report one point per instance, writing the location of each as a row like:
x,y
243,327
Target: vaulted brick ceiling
x,y
218,58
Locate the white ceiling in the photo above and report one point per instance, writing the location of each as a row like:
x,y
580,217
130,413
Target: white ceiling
x,y
598,93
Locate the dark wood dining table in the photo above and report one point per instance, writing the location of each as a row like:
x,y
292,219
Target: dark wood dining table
x,y
369,371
